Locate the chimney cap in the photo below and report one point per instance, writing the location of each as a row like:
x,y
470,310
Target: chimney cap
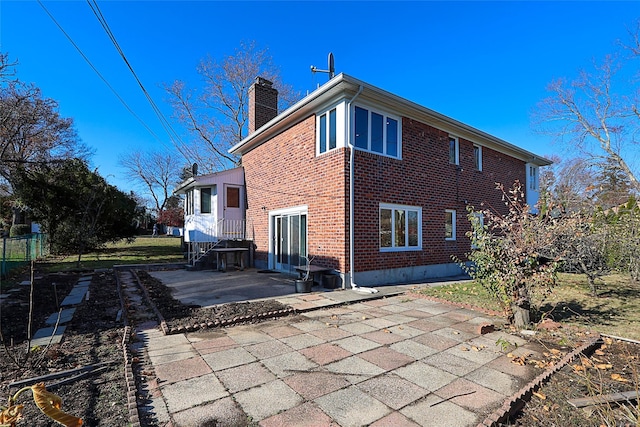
x,y
263,82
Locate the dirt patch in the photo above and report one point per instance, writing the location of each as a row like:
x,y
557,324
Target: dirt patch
x,y
612,368
92,337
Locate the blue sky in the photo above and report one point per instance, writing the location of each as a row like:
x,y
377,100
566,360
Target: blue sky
x,y
484,63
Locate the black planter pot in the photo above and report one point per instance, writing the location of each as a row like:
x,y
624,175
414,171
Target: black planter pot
x,y
304,286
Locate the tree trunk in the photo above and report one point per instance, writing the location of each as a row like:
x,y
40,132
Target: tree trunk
x,y
521,315
592,285
521,307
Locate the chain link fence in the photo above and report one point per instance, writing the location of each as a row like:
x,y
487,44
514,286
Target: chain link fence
x,y
19,251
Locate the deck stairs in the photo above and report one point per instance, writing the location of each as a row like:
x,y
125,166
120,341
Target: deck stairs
x,y
226,233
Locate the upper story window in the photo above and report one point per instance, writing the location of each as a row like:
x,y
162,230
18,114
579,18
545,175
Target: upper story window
x,y
400,227
454,150
376,132
477,157
327,131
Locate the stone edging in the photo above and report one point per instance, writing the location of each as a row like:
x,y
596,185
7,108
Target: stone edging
x,y
516,402
132,403
231,322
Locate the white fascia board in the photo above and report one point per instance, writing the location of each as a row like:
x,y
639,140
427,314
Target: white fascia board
x,y
345,86
208,179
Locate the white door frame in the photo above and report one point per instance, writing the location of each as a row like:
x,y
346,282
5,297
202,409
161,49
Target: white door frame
x,y
273,215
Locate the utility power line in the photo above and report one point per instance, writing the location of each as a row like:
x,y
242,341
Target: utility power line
x,y
93,4
106,82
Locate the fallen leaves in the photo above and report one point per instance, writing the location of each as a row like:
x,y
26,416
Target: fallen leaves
x,y
540,396
620,378
604,366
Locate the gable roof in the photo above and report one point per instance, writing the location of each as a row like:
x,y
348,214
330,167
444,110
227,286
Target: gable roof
x,y
344,86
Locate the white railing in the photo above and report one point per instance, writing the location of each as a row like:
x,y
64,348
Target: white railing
x,y
230,229
223,230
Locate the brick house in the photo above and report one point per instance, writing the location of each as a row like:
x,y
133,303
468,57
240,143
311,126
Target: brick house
x,y
405,185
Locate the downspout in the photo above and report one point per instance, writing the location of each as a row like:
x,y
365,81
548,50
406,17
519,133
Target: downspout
x,y
351,201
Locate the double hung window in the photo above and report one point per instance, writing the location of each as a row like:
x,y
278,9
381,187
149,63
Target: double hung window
x,y
400,227
376,132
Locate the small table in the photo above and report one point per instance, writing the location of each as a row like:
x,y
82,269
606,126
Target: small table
x,y
312,270
222,266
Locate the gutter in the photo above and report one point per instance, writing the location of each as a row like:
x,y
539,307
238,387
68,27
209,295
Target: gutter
x,y
351,201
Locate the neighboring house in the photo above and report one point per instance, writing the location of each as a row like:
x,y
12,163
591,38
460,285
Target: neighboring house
x,y
405,186
214,210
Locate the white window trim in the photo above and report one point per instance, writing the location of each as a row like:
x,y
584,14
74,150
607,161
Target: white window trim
x,y
385,115
211,204
533,178
453,224
479,147
340,125
405,208
480,217
457,149
328,127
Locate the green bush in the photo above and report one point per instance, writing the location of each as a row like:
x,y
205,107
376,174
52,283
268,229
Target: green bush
x,y
19,230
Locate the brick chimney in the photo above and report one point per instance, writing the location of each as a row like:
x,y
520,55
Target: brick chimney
x,y
263,103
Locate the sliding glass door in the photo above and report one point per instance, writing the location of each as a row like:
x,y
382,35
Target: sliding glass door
x,y
289,241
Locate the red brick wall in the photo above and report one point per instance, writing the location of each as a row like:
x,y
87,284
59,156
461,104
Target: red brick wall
x,y
425,178
284,172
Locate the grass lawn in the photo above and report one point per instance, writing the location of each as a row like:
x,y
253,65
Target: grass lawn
x,y
144,250
615,311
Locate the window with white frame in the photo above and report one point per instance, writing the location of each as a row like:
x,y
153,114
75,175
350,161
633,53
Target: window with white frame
x,y
205,200
450,224
189,202
477,157
327,131
454,150
533,178
477,223
377,132
400,227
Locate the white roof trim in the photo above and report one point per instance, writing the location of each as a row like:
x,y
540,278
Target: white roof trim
x,y
345,86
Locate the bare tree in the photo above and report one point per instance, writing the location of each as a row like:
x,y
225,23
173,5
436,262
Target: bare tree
x,y
5,66
155,172
598,111
216,114
32,130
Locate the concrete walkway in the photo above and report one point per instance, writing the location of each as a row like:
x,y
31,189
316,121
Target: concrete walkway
x,y
392,361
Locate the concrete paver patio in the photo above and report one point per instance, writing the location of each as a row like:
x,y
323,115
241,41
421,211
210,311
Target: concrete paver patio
x,y
397,360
